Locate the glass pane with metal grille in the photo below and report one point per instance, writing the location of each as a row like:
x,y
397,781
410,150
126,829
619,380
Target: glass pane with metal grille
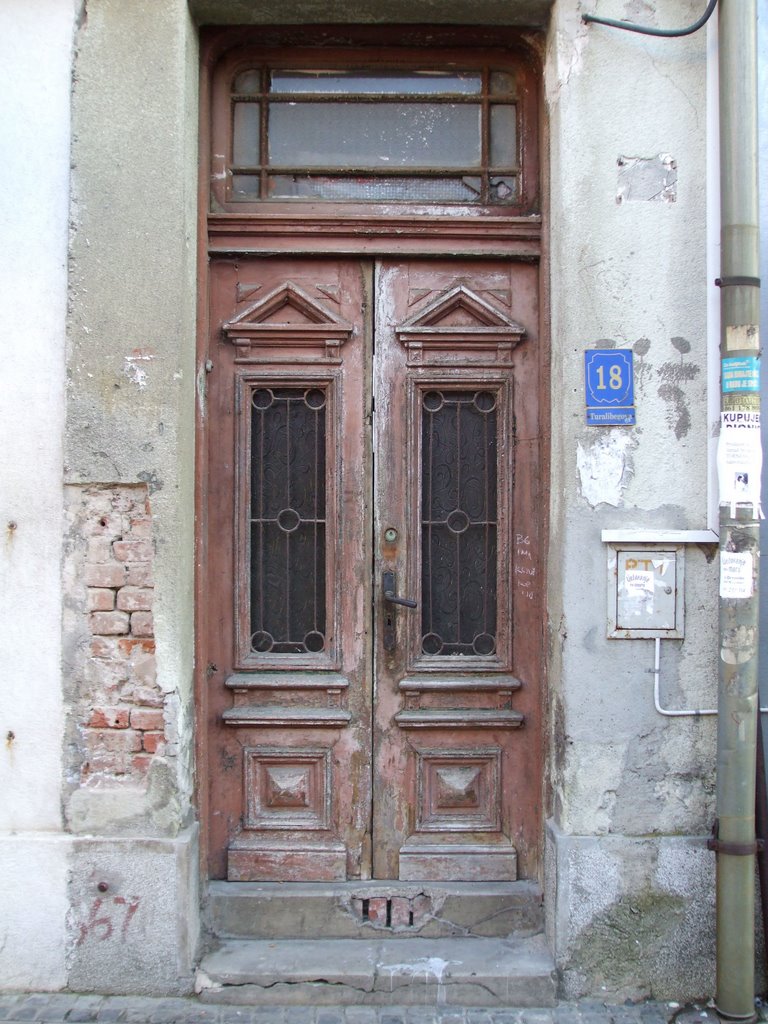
x,y
288,520
403,135
459,527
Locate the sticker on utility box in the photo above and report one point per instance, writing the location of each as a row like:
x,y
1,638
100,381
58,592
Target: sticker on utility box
x,y
610,387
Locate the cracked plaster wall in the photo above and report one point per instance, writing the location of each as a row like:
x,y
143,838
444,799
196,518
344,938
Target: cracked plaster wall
x,y
132,922
628,271
132,285
629,275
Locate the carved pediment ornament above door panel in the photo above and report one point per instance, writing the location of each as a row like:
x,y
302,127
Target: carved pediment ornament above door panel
x,y
460,321
288,317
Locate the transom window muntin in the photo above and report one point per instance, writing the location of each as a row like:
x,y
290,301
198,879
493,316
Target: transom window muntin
x,y
375,134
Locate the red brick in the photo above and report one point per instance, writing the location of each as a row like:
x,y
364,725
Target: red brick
x,y
131,644
135,599
99,549
106,763
109,623
132,550
153,742
377,910
144,668
100,600
144,719
110,574
142,624
115,741
109,524
147,697
103,647
140,574
109,718
140,526
141,762
401,912
105,676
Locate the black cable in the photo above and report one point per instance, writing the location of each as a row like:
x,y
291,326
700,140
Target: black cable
x,y
629,26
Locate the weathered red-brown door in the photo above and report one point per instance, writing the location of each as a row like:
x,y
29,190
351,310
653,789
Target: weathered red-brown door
x,y
374,625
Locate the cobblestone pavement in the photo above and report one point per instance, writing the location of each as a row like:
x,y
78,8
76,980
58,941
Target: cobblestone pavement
x,y
69,1008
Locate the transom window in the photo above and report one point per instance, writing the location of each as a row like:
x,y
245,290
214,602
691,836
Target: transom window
x,y
374,134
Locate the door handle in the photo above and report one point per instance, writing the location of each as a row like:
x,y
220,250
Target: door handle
x,y
388,583
389,587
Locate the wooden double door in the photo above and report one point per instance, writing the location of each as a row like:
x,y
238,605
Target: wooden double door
x,y
373,626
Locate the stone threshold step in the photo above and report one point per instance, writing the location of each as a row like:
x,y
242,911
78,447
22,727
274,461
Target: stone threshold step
x,y
371,909
336,972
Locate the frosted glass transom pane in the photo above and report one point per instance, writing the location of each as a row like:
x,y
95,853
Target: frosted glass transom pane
x,y
248,82
379,188
503,136
377,83
362,135
246,142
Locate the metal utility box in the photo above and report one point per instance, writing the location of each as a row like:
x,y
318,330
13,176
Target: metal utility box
x,y
645,591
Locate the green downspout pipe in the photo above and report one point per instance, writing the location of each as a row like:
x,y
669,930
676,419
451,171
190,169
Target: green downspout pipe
x,y
739,631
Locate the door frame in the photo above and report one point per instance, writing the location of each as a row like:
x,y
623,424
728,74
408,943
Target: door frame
x,y
336,230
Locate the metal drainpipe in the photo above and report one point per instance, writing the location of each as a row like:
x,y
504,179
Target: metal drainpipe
x,y
737,695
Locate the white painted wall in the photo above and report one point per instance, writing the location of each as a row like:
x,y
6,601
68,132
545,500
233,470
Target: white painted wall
x,y
35,69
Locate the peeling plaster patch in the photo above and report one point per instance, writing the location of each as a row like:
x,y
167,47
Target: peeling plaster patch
x,y
605,467
566,56
134,371
647,179
152,480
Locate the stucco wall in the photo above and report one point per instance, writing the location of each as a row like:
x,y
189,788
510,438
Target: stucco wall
x,y
628,270
35,55
631,793
131,360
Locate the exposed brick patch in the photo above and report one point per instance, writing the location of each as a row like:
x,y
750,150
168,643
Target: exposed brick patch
x,y
100,600
120,710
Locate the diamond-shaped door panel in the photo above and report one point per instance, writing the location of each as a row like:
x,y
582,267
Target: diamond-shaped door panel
x,y
287,789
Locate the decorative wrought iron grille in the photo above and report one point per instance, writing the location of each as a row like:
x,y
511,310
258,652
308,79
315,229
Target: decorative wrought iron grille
x,y
288,520
459,522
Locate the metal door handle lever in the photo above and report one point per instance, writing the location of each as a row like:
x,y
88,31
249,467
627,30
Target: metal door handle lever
x,y
388,585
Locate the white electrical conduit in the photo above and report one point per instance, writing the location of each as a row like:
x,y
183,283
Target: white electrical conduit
x,y
668,712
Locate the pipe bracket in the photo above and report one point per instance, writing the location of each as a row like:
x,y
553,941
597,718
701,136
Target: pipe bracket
x,y
727,282
733,849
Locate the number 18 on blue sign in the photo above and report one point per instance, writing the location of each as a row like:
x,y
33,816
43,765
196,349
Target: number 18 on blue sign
x,y
610,387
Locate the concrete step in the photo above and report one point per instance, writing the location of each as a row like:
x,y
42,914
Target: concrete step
x,y
367,910
335,972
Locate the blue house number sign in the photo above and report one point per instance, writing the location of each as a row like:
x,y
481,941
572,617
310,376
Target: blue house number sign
x,y
610,387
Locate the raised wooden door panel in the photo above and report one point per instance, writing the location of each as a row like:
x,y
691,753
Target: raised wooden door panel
x,y
288,534
456,716
372,546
